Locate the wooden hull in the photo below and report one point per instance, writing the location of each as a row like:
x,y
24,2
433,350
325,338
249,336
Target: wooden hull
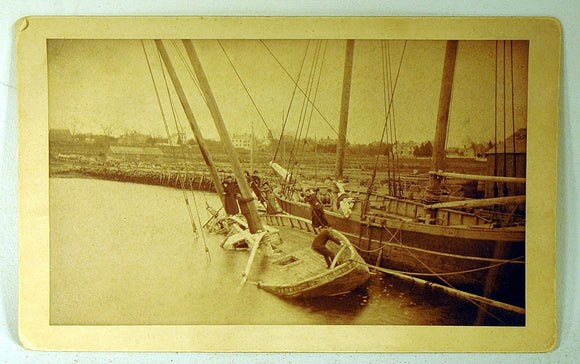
x,y
341,279
300,272
480,260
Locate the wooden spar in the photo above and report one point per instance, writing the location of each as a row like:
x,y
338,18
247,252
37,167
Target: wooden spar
x,y
344,106
453,291
511,200
255,245
475,177
191,119
434,188
247,203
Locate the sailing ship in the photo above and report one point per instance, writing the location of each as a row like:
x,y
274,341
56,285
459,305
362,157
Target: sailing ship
x,y
477,245
289,267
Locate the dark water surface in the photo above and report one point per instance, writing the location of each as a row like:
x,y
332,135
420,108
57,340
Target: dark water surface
x,y
125,254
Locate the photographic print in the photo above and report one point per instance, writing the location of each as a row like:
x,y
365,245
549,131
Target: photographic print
x,y
407,158
292,182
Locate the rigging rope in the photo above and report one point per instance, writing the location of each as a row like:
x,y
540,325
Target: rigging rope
x,y
180,131
391,138
386,270
495,161
291,99
314,99
247,91
394,140
190,213
505,139
387,112
446,282
303,109
513,106
194,79
183,189
313,83
434,274
296,84
385,62
289,186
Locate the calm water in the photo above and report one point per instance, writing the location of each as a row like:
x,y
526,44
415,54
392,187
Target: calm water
x,y
124,253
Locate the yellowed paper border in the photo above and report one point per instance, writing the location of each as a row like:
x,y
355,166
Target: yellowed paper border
x,y
539,334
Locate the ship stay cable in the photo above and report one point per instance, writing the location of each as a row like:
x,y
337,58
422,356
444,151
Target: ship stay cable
x,y
513,105
184,192
495,187
435,274
395,143
247,91
470,297
388,86
388,103
166,129
316,88
180,131
481,307
194,79
293,158
306,114
287,189
291,100
296,84
415,274
441,254
505,190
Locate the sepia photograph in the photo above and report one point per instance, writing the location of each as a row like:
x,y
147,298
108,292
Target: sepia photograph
x,y
288,184
310,181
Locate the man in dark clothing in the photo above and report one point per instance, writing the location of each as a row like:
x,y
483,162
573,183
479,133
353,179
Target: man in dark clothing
x,y
319,221
231,192
256,179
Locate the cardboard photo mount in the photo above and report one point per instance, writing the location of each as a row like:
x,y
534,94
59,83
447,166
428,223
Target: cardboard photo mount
x,y
539,333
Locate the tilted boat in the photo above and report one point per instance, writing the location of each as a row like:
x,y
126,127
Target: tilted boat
x,y
288,266
476,245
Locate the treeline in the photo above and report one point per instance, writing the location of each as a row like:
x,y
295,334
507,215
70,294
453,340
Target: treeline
x,y
423,150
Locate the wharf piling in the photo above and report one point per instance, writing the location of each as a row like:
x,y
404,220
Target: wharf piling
x,y
167,178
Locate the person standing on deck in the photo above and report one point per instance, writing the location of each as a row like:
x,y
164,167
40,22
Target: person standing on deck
x,y
256,180
255,185
319,221
231,192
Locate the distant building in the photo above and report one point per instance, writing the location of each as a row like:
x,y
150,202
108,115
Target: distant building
x,y
133,139
134,153
460,152
405,149
508,158
60,136
242,141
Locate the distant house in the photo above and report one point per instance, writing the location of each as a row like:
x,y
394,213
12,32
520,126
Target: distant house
x,y
405,149
60,136
460,152
507,158
241,141
133,139
134,153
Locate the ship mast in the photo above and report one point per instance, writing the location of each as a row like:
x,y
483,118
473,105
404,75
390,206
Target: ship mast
x,y
247,203
434,189
344,106
191,119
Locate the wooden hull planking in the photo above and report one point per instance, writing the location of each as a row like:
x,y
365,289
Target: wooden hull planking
x,y
301,272
462,254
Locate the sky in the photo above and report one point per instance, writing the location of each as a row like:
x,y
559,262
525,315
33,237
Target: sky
x,y
98,85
